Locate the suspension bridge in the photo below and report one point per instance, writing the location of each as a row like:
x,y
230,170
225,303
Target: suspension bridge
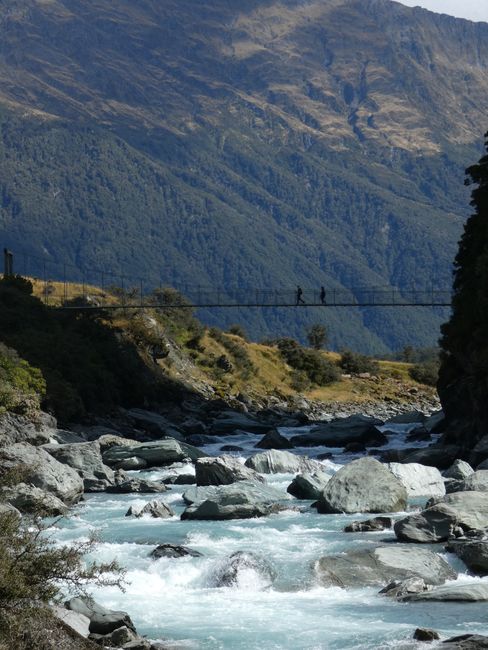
x,y
66,287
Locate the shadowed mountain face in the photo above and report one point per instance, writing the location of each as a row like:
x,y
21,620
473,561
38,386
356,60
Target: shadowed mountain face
x,y
257,144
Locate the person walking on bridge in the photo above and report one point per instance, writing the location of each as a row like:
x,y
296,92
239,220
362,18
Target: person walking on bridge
x,y
299,294
322,295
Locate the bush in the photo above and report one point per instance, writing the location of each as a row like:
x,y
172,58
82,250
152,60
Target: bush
x,y
22,387
238,330
425,373
354,363
317,369
317,336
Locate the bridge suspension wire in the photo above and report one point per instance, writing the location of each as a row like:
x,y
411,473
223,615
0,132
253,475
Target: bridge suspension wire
x,y
66,286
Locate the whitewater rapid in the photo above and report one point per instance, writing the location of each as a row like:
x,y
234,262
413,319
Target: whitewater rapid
x,y
177,600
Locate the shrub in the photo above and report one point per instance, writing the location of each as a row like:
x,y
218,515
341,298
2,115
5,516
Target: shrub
x,y
354,363
238,330
22,387
319,370
317,336
425,373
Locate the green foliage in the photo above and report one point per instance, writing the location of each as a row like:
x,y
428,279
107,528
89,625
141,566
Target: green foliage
x,y
425,373
22,387
34,572
238,351
238,330
317,336
311,363
354,363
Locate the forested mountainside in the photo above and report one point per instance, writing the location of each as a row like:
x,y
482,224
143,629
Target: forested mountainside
x,y
260,144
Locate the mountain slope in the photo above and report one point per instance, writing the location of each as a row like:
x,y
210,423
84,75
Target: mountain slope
x,y
257,145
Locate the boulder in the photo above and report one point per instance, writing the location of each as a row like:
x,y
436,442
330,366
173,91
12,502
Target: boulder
x,y
400,588
459,470
440,456
180,479
223,470
239,500
8,510
340,432
132,463
381,565
419,480
155,454
276,461
154,424
242,567
309,485
435,422
137,486
32,500
274,440
86,459
426,635
102,620
231,421
411,417
365,485
156,509
473,552
173,551
479,452
369,525
471,592
22,429
469,510
466,642
121,636
43,471
76,621
476,482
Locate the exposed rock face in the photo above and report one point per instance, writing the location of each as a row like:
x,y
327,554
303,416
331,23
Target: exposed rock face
x,y
369,525
308,486
19,428
33,500
473,552
137,485
274,440
102,620
155,454
469,510
230,421
174,551
459,470
476,482
400,588
277,461
86,459
44,471
440,456
419,480
365,485
240,500
472,592
223,470
466,642
381,565
154,424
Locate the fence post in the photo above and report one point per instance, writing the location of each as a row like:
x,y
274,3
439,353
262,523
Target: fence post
x,y
8,263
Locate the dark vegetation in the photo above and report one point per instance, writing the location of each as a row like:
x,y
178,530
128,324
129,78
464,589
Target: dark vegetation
x,y
86,364
354,363
463,380
307,364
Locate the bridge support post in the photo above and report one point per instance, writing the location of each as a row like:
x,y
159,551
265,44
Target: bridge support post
x,y
8,263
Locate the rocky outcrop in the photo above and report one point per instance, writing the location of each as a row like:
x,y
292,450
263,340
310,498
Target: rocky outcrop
x,y
232,570
223,470
153,424
468,510
173,551
472,592
365,485
440,456
369,525
86,459
231,421
137,486
473,552
476,482
239,500
308,486
274,440
102,620
155,509
381,565
459,470
43,471
155,454
276,461
32,500
419,480
38,430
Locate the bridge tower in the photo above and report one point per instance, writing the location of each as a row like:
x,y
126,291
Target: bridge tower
x,y
8,263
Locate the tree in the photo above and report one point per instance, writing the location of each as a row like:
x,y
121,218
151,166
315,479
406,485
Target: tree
x,y
463,377
317,336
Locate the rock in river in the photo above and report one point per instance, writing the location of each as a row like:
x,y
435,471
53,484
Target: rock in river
x,y
86,459
155,454
419,480
308,486
275,461
242,568
156,509
223,470
340,432
365,485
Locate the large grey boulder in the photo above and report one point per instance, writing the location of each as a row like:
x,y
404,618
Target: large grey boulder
x,y
419,480
476,482
340,432
239,500
102,620
381,565
471,592
223,470
20,428
155,454
173,551
137,486
466,642
410,417
473,552
274,440
155,509
275,461
76,621
309,485
43,471
86,459
365,485
459,470
32,500
230,571
468,510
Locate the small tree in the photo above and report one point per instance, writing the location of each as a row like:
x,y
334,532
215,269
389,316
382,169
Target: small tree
x,y
317,336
